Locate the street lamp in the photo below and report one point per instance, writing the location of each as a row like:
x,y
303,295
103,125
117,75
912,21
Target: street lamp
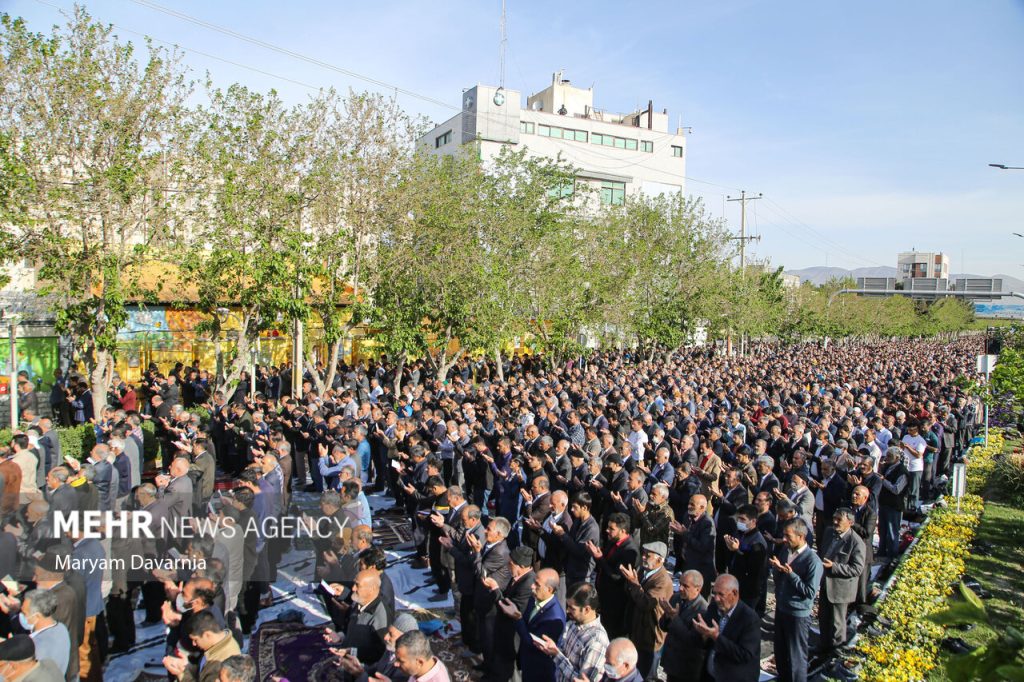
x,y
12,389
1003,166
221,313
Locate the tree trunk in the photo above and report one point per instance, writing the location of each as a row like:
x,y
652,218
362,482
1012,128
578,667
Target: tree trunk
x,y
497,360
311,368
99,379
447,363
332,359
398,376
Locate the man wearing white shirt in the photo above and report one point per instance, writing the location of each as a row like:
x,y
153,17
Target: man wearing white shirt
x,y
637,441
913,456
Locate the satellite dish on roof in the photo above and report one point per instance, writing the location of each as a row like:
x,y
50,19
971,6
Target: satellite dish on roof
x,y
537,105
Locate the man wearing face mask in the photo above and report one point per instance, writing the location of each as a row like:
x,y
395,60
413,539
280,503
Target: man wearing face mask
x,y
647,590
749,557
51,638
620,661
843,560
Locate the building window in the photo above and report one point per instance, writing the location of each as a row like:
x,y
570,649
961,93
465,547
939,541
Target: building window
x,y
581,135
631,145
613,193
563,191
442,140
646,146
677,151
526,127
562,133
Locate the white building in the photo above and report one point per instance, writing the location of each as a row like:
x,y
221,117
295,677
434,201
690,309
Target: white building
x,y
917,264
618,154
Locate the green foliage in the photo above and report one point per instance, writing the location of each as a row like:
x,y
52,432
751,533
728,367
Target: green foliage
x,y
150,444
999,659
85,118
1007,378
1008,477
77,441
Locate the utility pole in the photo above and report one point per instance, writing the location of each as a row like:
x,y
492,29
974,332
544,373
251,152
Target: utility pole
x,y
743,239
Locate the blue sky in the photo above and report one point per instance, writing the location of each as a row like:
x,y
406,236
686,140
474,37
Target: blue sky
x,y
868,126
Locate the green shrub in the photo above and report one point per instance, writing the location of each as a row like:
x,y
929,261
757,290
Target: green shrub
x,y
77,441
150,445
5,437
204,414
1009,478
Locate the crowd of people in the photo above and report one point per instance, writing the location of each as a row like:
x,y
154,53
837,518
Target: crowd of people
x,y
610,518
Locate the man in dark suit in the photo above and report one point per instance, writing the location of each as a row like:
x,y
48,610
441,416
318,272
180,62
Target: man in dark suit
x,y
698,541
456,542
682,656
62,497
732,634
864,522
725,505
542,617
536,508
579,561
843,561
490,559
766,481
797,572
619,550
49,449
829,495
500,667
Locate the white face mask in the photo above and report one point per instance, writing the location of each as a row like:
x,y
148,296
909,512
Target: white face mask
x,y
610,672
741,526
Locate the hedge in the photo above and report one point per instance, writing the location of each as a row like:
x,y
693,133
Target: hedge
x,y
78,441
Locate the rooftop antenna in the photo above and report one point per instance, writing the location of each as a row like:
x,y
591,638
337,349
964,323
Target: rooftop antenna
x,y
504,46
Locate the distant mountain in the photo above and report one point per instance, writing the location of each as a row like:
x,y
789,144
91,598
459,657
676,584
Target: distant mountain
x,y
821,275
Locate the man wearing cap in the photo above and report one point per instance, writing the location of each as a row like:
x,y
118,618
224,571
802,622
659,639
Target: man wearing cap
x,y
647,588
18,662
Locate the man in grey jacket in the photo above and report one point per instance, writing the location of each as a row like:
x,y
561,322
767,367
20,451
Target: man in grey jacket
x,y
843,559
106,479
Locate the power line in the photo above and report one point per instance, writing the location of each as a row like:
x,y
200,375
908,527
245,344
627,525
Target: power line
x,y
295,55
199,52
785,213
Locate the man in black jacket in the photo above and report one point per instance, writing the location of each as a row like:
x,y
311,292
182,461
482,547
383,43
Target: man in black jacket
x,y
457,542
698,541
748,559
490,558
619,550
579,562
732,635
682,657
864,522
501,665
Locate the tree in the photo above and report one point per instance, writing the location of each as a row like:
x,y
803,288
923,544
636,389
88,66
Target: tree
x,y
87,120
664,254
251,158
360,157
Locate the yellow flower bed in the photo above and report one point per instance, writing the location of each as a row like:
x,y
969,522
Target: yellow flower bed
x,y
981,462
909,648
